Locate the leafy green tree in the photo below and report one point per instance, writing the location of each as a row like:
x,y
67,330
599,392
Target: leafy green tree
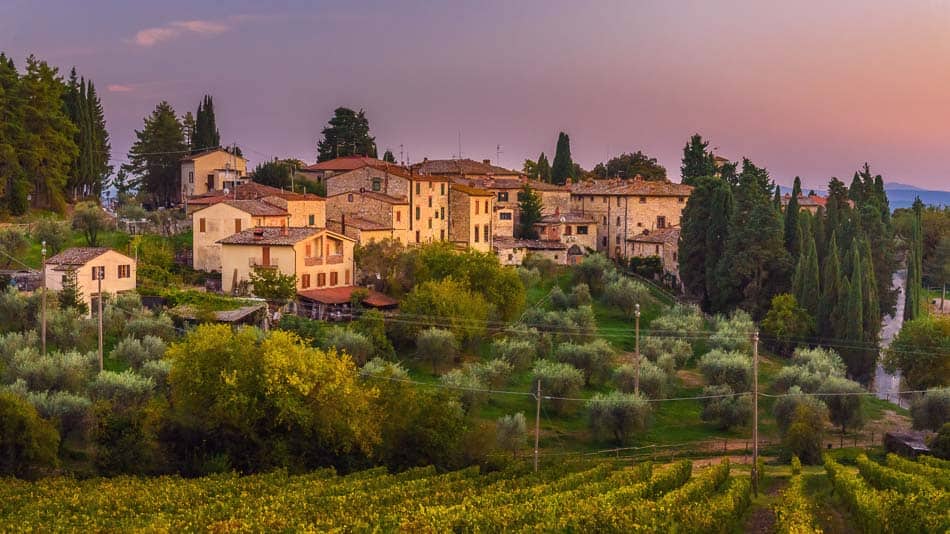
x,y
436,346
15,184
529,203
704,229
921,351
698,161
625,294
725,410
730,368
347,134
804,434
792,236
353,344
558,380
845,402
48,148
786,324
511,431
155,157
371,324
273,286
388,156
53,232
538,170
90,220
448,304
206,135
28,444
940,445
562,168
275,173
13,243
931,411
593,358
618,415
631,165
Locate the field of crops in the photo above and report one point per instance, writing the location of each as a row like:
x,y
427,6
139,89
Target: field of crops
x,y
578,496
896,496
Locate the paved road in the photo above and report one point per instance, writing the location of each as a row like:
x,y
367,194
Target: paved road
x,y
887,386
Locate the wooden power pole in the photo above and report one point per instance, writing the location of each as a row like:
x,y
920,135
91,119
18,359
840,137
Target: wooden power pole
x,y
755,413
43,304
537,425
636,378
100,271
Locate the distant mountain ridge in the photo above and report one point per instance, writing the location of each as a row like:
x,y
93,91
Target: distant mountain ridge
x,y
900,195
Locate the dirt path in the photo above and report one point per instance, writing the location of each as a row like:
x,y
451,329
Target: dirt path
x,y
762,518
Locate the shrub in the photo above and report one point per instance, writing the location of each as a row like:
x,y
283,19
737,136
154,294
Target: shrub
x,y
580,295
72,414
798,376
804,434
653,347
654,381
819,360
313,332
734,333
931,411
593,358
785,407
68,330
449,304
940,445
14,310
372,325
136,352
559,300
844,401
469,387
680,320
159,326
618,415
14,342
157,371
529,277
493,373
124,389
55,233
67,371
510,432
384,368
726,412
557,380
348,342
626,294
592,271
520,353
28,444
437,346
731,368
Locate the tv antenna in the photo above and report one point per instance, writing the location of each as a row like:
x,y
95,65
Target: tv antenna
x,y
497,154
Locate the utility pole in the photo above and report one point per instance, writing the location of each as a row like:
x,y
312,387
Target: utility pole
x,y
100,271
43,320
636,379
537,425
755,412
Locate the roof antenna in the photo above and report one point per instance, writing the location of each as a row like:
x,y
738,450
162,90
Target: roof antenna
x,y
460,145
498,155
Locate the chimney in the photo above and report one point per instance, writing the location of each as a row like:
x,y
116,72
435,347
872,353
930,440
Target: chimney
x,y
486,161
258,233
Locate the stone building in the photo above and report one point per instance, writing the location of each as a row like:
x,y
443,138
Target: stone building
x,y
663,243
319,172
508,194
809,203
512,251
470,217
317,257
211,170
625,209
383,178
369,216
569,228
89,265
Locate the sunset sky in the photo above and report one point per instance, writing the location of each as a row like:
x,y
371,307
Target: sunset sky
x,y
804,88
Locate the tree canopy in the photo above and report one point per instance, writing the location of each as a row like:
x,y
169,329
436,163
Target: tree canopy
x,y
630,166
155,157
562,168
346,134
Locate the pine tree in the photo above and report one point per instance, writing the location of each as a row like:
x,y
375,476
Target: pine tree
x,y
100,151
155,157
188,126
792,238
14,182
69,296
697,160
562,169
529,205
347,134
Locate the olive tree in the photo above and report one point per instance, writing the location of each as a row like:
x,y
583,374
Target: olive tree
x,y
437,346
510,432
618,415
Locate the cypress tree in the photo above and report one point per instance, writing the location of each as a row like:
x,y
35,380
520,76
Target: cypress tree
x,y
206,128
830,290
698,161
777,200
811,287
529,204
913,305
14,182
872,309
562,168
839,317
856,191
721,207
792,237
544,168
818,229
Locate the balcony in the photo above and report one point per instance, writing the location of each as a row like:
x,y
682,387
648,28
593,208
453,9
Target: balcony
x,y
334,259
259,262
313,260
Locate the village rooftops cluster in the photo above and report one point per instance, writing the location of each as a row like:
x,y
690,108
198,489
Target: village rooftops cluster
x,y
632,187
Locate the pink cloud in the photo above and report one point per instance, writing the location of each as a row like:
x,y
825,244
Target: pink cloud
x,y
153,36
120,88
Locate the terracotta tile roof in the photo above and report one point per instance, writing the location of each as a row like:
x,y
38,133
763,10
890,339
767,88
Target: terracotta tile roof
x,y
250,191
347,163
341,295
257,208
357,222
472,191
569,217
270,235
668,236
642,188
509,184
77,255
460,167
806,200
377,196
531,244
203,153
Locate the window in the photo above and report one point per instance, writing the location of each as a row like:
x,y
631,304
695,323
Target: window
x,y
125,271
592,198
485,233
377,184
476,234
618,202
441,235
237,225
639,225
99,273
441,189
191,177
581,230
442,213
307,251
346,277
674,256
681,199
520,196
476,207
605,220
417,236
605,200
305,281
418,213
643,200
431,187
603,241
398,215
567,229
617,239
618,220
430,223
321,279
201,225
312,219
418,188
658,250
503,196
660,221
334,278
349,197
430,201
511,257
504,216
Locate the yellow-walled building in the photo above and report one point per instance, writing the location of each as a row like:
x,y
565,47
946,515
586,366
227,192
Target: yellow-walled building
x,y
223,219
89,265
470,217
212,170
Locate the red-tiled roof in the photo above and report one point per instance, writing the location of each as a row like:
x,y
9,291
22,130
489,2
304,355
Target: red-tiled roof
x,y
341,295
531,244
377,196
668,236
77,255
806,200
258,208
491,183
460,167
250,191
634,187
346,163
270,235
